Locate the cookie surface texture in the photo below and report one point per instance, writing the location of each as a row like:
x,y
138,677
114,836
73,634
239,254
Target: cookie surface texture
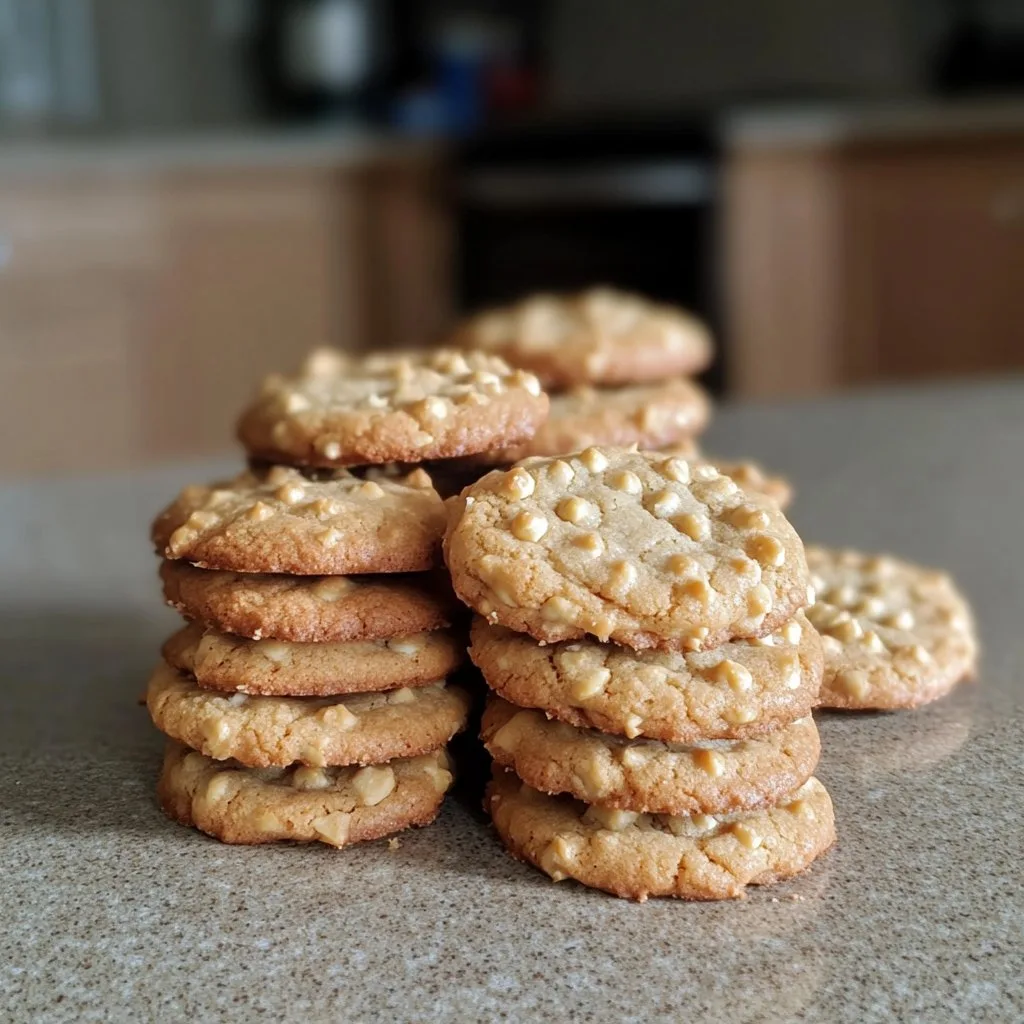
x,y
646,415
699,857
221,661
740,690
635,547
403,407
647,775
263,731
281,522
308,608
600,336
336,806
895,635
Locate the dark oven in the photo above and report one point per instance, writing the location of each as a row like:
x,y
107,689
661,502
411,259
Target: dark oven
x,y
561,208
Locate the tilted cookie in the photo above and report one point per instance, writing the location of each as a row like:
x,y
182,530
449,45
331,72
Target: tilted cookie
x,y
282,522
337,806
646,415
895,635
221,661
260,731
634,547
398,407
740,690
600,336
752,478
713,777
748,475
312,609
699,857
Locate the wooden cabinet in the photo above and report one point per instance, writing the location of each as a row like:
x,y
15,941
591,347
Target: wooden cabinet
x,y
888,261
139,311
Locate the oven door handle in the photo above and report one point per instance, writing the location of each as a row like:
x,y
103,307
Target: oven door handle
x,y
660,183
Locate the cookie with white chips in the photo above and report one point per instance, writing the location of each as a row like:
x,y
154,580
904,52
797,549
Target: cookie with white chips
x,y
635,547
895,635
278,521
397,407
599,336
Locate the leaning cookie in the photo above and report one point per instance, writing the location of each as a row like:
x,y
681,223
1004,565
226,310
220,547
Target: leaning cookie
x,y
600,336
633,547
261,731
220,661
645,415
281,522
741,690
895,635
751,477
647,775
401,407
311,609
337,806
699,857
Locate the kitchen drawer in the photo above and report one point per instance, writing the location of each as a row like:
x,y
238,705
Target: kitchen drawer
x,y
936,262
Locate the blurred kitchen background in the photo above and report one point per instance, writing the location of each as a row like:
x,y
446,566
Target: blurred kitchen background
x,y
194,192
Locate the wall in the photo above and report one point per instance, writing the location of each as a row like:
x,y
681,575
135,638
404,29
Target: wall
x,y
606,53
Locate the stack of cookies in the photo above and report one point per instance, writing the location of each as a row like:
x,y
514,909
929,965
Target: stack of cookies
x,y
615,364
640,623
306,699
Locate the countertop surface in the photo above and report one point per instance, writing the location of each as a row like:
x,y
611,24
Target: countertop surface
x,y
110,912
812,125
338,146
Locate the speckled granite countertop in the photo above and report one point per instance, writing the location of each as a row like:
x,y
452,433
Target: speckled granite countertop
x,y
112,913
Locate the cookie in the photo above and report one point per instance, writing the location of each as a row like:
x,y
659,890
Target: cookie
x,y
895,635
400,407
740,690
600,336
753,479
634,547
310,609
282,522
747,474
712,777
337,806
259,731
699,857
221,661
646,415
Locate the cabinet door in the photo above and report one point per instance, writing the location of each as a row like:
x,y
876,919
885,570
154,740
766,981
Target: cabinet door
x,y
74,259
254,274
934,260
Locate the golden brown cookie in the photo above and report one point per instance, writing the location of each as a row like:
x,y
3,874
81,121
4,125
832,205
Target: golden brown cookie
x,y
337,806
634,547
712,777
311,609
700,857
282,522
895,635
740,690
747,474
397,407
259,731
600,336
751,477
221,661
646,415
